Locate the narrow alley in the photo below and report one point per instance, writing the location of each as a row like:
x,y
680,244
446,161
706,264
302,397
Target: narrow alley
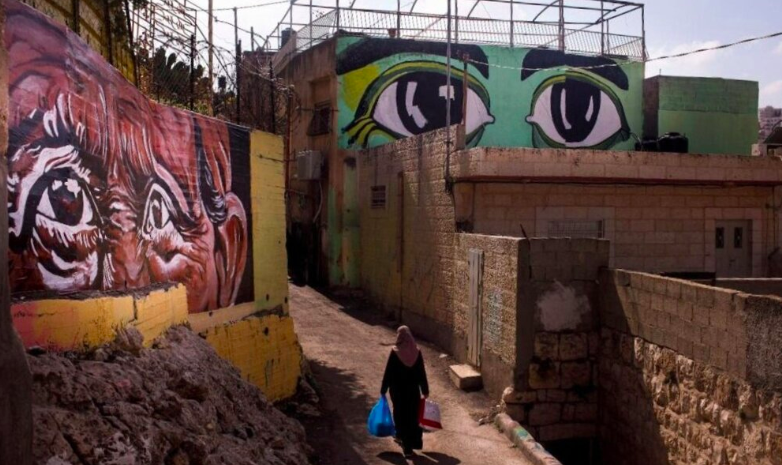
x,y
347,347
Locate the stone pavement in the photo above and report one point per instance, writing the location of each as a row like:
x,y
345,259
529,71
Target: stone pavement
x,y
347,347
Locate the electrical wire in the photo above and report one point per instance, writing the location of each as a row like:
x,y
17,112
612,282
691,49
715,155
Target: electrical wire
x,y
259,5
631,63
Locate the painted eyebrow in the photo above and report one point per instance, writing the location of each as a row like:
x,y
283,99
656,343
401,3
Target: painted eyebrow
x,y
538,59
368,51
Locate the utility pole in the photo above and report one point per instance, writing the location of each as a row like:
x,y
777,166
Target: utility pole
x,y
210,19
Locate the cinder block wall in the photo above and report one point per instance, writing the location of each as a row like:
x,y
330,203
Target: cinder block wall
x,y
555,393
688,373
653,229
407,247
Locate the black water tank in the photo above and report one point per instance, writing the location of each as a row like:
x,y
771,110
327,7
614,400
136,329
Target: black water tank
x,y
647,145
285,36
674,142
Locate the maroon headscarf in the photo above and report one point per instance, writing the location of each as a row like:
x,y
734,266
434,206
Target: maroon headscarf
x,y
406,348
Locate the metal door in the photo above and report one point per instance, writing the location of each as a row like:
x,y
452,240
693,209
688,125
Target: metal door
x,y
474,339
733,251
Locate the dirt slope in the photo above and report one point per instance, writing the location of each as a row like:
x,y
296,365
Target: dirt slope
x,y
177,403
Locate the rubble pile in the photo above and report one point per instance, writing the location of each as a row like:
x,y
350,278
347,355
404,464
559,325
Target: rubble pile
x,y
175,403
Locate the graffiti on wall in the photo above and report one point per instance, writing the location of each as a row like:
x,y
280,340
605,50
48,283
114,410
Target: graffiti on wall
x,y
110,191
395,88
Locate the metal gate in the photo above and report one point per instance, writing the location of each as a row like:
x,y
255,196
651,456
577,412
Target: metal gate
x,y
474,330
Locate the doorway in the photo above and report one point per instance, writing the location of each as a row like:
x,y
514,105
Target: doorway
x,y
733,250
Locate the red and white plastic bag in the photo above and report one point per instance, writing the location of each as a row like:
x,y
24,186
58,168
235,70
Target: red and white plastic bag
x,y
429,415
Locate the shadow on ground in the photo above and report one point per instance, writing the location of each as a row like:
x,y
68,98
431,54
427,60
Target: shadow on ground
x,y
330,437
425,458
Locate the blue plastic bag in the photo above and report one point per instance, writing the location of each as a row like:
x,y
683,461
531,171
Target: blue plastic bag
x,y
380,423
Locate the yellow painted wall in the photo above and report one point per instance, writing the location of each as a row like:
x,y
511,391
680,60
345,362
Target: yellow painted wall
x,y
63,324
266,351
257,337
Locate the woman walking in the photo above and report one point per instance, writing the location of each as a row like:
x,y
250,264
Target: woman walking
x,y
405,377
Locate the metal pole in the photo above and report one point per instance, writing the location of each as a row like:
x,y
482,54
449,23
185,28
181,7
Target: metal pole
x,y
273,98
76,15
238,82
512,26
210,19
562,25
465,89
252,39
456,18
398,17
132,46
337,15
312,30
107,24
192,71
448,104
602,29
643,32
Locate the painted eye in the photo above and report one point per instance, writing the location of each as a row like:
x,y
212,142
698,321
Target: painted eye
x,y
411,98
65,202
157,214
577,111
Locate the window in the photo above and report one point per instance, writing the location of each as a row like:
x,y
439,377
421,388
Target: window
x,y
738,238
577,229
720,238
320,123
378,197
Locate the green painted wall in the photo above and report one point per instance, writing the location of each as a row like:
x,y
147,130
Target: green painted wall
x,y
392,88
718,116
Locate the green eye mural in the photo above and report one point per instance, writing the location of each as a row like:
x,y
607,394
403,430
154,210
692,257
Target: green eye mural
x,y
575,110
394,88
410,98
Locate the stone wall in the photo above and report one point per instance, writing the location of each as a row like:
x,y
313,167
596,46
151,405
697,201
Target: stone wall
x,y
503,258
688,373
555,391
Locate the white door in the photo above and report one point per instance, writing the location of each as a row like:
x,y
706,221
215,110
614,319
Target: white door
x,y
733,251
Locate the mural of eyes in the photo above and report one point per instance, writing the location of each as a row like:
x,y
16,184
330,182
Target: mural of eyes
x,y
410,99
575,110
159,226
66,232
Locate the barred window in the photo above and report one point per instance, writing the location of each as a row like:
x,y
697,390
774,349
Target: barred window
x,y
378,197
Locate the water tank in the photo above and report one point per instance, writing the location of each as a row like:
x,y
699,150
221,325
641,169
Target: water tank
x,y
285,36
674,142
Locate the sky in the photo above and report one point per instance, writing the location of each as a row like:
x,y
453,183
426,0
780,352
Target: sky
x,y
672,26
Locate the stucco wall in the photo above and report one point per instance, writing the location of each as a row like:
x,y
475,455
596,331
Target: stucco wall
x,y
717,115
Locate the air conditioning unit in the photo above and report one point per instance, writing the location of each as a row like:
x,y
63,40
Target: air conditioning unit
x,y
309,165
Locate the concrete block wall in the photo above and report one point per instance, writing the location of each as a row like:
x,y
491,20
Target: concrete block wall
x,y
654,229
555,391
688,373
407,249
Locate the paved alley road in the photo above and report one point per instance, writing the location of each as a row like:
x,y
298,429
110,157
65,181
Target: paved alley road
x,y
347,348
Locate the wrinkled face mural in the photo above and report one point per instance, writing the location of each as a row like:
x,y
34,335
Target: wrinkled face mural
x,y
395,88
109,191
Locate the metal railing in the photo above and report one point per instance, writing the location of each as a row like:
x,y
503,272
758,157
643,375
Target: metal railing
x,y
585,38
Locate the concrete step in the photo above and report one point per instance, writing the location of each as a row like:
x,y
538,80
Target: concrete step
x,y
465,377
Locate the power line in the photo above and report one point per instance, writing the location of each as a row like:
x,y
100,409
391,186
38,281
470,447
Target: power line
x,y
259,5
630,63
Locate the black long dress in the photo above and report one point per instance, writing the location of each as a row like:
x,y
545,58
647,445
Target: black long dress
x,y
406,385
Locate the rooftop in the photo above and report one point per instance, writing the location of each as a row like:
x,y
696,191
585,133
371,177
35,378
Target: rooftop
x,y
586,27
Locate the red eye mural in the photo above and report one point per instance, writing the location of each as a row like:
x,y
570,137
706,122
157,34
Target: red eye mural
x,y
110,191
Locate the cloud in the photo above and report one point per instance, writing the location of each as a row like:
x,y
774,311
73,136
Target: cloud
x,y
771,92
698,64
778,49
